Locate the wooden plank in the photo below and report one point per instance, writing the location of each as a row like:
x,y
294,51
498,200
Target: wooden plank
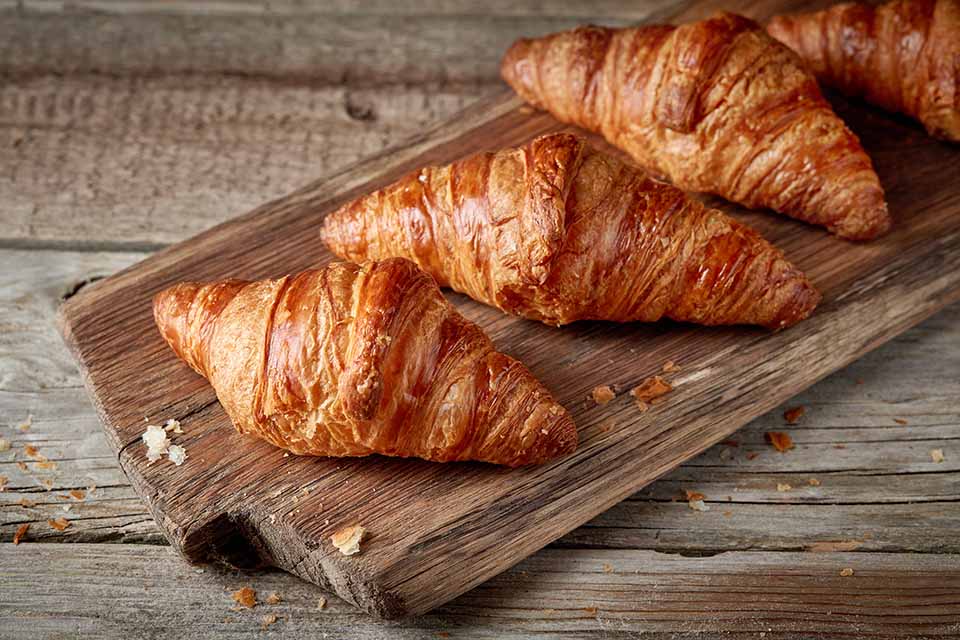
x,y
141,162
400,8
907,379
482,520
358,49
133,591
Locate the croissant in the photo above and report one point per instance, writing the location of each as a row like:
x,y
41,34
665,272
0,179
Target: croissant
x,y
557,231
351,360
716,106
903,56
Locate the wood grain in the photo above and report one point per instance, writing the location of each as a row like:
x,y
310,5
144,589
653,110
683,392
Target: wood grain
x,y
464,528
554,594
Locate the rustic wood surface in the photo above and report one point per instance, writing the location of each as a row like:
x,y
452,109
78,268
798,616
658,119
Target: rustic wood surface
x,y
880,492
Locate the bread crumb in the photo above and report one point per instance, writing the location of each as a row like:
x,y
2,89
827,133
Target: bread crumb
x,y
245,597
60,524
157,442
783,487
900,421
839,446
4,445
693,495
347,540
937,455
34,453
91,488
21,532
779,440
725,454
274,598
26,424
26,503
792,416
321,603
23,467
698,505
77,494
3,483
813,482
46,465
847,572
670,367
268,620
591,610
177,454
602,394
650,389
66,508
607,568
727,514
172,425
834,545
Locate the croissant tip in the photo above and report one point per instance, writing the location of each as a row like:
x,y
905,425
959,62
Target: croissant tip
x,y
865,228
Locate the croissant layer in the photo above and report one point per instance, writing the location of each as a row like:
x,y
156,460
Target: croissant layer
x,y
716,106
557,231
351,360
903,56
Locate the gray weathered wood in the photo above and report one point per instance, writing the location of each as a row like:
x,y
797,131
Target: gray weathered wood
x,y
134,591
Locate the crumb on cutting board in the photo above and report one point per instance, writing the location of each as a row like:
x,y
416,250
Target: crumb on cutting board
x,y
651,389
347,540
937,455
602,394
176,454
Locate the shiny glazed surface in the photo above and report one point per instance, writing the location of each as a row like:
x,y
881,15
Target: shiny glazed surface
x,y
351,360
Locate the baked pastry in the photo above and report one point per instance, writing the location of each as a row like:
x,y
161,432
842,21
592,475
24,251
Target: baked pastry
x,y
351,360
903,56
557,231
715,106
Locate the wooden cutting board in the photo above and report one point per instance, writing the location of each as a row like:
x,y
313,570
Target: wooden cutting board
x,y
437,530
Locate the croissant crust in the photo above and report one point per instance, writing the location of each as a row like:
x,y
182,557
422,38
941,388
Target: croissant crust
x,y
557,231
352,360
903,56
716,106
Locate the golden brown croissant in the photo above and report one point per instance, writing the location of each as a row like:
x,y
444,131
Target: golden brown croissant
x,y
352,360
557,231
716,106
903,56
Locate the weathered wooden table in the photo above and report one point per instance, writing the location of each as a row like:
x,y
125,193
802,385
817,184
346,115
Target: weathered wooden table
x,y
128,125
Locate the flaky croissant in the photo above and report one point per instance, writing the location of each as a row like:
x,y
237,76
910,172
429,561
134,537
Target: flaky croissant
x,y
557,231
716,106
903,56
351,360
